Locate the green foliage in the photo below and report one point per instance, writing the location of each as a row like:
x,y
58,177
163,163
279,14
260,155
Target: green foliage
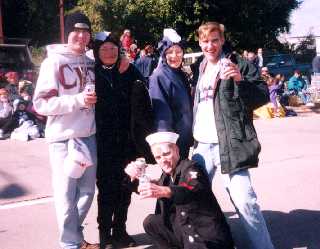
x,y
94,9
38,54
35,19
305,51
249,23
145,18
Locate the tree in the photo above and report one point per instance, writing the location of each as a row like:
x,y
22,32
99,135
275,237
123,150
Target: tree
x,y
305,51
37,20
145,18
249,23
30,19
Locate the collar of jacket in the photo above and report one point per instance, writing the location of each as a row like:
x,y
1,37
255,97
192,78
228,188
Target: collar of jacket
x,y
174,176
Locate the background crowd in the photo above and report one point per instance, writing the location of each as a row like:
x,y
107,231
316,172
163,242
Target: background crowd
x,y
18,119
17,92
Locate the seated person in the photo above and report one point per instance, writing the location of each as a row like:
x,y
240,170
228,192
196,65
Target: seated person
x,y
23,120
5,110
12,86
187,213
3,80
264,73
26,86
40,119
298,86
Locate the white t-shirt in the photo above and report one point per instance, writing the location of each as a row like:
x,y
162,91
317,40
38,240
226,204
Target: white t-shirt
x,y
204,130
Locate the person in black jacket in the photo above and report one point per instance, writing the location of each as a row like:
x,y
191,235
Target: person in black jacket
x,y
228,90
187,214
123,119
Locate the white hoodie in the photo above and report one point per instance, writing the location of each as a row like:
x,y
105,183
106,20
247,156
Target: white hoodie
x,y
63,76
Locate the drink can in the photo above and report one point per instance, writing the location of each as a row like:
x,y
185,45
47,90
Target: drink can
x,y
90,88
225,63
144,179
141,164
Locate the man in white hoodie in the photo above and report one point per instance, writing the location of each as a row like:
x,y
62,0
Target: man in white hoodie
x,y
62,95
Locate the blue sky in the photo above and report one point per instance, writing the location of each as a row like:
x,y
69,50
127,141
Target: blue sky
x,y
305,18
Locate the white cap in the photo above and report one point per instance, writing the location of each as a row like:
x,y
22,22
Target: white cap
x,y
162,137
172,35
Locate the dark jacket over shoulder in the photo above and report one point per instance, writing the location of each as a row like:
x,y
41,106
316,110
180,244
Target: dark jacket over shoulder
x,y
234,103
194,208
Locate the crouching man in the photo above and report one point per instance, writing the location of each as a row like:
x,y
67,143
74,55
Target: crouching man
x,y
187,213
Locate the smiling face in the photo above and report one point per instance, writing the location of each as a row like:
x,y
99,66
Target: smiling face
x,y
166,155
108,53
174,56
211,46
78,39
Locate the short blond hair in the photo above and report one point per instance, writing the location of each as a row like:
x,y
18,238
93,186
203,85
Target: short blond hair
x,y
206,28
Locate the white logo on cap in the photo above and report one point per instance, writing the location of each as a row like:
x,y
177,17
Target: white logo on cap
x,y
81,25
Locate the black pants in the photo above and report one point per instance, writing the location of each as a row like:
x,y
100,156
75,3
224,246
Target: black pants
x,y
114,197
165,238
162,236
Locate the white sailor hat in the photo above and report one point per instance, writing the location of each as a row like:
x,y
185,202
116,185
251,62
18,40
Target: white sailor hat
x,y
162,137
172,35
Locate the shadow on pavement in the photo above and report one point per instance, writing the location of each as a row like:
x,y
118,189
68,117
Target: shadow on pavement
x,y
143,239
10,189
296,229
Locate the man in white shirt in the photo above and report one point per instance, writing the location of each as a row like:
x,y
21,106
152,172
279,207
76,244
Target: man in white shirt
x,y
228,90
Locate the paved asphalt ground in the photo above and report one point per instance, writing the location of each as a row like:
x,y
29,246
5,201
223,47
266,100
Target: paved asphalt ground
x,y
286,182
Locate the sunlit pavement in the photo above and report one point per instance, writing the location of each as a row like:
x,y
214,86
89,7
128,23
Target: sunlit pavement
x,y
286,182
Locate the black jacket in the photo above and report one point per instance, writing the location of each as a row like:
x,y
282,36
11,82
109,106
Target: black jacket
x,y
194,208
123,115
233,107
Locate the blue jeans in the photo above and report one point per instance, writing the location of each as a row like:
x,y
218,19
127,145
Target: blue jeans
x,y
72,197
242,195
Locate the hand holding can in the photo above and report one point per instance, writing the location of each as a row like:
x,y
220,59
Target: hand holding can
x,y
229,70
224,67
90,97
90,88
141,164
